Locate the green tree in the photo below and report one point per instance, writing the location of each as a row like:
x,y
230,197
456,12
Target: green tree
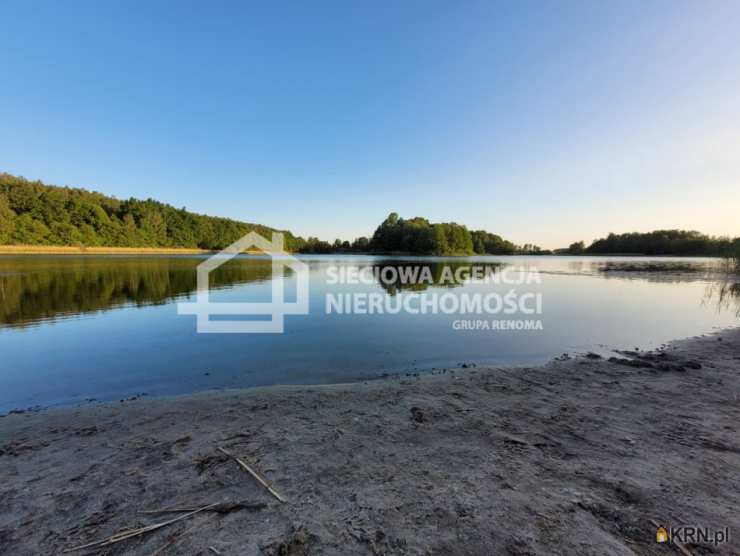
x,y
7,220
29,231
577,248
361,244
64,233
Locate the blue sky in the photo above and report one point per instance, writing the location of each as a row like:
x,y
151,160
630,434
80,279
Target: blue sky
x,y
546,122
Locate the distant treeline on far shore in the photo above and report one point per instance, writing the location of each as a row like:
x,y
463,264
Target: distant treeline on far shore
x,y
659,242
418,236
33,213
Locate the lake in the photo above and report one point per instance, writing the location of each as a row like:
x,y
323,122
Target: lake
x,y
76,328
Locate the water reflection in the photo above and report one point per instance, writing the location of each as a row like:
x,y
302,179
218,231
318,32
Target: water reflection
x,y
145,346
667,270
672,271
35,289
723,296
40,289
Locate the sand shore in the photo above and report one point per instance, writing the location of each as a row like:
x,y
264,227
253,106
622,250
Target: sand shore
x,y
577,456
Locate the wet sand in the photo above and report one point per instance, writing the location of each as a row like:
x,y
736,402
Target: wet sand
x,y
577,456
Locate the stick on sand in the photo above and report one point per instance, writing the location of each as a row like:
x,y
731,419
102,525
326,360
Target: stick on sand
x,y
253,473
129,533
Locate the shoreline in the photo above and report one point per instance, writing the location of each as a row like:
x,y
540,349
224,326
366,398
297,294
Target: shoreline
x,y
74,250
577,455
81,250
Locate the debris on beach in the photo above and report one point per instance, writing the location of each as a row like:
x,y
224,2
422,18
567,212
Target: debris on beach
x,y
135,532
417,415
253,473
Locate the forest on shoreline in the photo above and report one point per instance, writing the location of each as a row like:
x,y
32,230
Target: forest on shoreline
x,y
685,243
35,214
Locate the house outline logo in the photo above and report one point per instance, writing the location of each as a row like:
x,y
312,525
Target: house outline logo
x,y
277,308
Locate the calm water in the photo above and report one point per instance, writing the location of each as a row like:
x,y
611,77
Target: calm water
x,y
106,327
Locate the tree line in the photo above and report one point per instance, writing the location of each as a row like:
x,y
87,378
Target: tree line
x,y
420,237
417,236
660,242
32,213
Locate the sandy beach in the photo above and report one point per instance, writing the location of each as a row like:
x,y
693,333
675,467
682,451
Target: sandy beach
x,y
582,455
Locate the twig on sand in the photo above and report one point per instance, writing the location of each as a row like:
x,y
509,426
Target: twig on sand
x,y
214,550
129,533
253,473
681,546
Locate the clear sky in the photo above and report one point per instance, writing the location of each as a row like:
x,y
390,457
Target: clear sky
x,y
546,122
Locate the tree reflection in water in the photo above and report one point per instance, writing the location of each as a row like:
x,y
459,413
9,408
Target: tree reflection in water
x,y
38,289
